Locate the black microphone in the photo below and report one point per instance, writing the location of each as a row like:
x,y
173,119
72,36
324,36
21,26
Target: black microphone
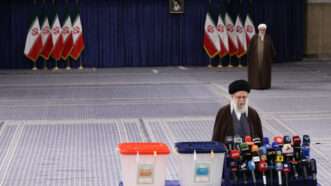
x,y
306,140
235,156
244,149
313,168
271,162
257,141
271,168
305,160
286,170
297,147
287,140
296,155
243,170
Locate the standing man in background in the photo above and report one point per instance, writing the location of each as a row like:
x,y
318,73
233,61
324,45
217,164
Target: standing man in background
x,y
260,55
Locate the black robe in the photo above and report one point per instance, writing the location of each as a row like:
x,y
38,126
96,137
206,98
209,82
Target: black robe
x,y
224,124
259,74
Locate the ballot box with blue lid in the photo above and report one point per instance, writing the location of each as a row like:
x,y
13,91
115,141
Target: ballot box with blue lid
x,y
200,163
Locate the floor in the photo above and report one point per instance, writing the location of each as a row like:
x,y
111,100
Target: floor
x,y
62,128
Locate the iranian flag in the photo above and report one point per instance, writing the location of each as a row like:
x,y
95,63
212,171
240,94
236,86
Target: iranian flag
x,y
233,43
224,40
67,37
57,39
33,42
211,41
241,38
46,37
249,29
78,40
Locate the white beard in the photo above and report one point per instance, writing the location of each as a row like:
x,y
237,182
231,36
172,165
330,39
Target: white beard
x,y
242,110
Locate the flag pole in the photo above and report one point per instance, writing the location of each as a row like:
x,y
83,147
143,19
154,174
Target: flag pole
x,y
230,63
239,65
220,65
209,66
68,58
68,64
45,61
35,66
81,67
35,62
56,67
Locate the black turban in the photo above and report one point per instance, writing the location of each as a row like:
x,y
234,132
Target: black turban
x,y
239,85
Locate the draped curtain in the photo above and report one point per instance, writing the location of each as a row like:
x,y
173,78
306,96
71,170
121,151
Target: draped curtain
x,y
143,33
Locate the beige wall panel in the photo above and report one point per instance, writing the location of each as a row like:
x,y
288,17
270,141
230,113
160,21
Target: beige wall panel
x,y
318,29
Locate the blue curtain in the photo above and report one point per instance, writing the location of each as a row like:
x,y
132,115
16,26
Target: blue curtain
x,y
143,32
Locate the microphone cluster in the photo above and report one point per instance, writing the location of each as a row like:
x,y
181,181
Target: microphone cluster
x,y
277,162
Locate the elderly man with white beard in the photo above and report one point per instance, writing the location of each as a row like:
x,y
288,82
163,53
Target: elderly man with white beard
x,y
260,56
237,118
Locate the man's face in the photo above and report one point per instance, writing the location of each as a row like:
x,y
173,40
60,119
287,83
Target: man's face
x,y
262,31
240,99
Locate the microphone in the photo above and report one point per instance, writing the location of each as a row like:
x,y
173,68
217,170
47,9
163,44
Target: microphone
x,y
305,159
265,141
286,170
243,170
287,151
262,167
248,140
296,155
244,149
237,140
313,168
279,140
235,156
251,167
234,170
275,146
287,140
279,168
306,140
297,147
296,140
271,165
257,141
229,142
255,153
263,153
